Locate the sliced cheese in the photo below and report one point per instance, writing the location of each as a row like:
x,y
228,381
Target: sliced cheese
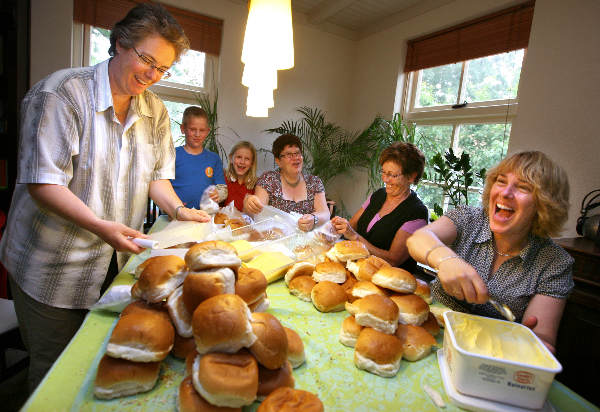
x,y
272,264
245,249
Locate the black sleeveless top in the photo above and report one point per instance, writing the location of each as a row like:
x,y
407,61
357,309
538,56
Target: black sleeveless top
x,y
382,233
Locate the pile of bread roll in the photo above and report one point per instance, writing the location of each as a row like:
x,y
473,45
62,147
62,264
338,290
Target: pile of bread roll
x,y
389,308
213,318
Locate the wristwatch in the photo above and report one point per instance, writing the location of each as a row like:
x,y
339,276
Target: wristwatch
x,y
315,219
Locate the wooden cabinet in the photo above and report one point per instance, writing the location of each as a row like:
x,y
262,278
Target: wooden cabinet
x,y
578,343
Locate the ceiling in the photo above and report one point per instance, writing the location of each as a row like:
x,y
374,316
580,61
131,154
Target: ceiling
x,y
356,19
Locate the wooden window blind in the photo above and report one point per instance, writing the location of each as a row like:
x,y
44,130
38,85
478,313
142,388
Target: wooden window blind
x,y
498,32
204,32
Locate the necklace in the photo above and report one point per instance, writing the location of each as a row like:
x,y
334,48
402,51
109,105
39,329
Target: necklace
x,y
504,254
296,183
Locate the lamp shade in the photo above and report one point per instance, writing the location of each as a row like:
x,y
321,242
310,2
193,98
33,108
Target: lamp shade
x,y
268,47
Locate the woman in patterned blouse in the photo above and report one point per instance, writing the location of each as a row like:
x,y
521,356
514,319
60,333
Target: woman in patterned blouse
x,y
289,189
504,249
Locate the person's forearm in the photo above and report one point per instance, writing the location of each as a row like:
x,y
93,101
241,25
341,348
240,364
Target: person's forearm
x,y
162,193
61,201
422,244
392,259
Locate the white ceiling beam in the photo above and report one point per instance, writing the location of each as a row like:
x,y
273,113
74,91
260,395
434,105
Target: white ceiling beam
x,y
326,9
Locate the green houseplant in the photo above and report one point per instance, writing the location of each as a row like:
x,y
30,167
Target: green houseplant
x,y
455,176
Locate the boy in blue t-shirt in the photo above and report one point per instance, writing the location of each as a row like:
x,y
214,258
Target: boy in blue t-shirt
x,y
196,168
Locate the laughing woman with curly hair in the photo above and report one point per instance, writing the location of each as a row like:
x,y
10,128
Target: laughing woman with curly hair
x,y
503,250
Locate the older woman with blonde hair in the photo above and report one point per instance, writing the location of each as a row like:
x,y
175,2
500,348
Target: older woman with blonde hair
x,y
240,175
503,250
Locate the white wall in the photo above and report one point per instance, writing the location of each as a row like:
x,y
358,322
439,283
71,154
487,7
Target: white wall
x,y
559,93
320,77
355,81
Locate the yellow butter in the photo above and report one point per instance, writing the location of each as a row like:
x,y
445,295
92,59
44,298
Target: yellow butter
x,y
272,264
244,249
499,340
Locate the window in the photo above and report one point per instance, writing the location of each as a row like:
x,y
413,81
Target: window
x,y
189,74
467,106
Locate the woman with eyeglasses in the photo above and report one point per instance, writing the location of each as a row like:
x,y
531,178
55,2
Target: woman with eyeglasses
x,y
288,188
391,214
504,249
94,145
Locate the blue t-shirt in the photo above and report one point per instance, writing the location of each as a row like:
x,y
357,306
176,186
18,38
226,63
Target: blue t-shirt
x,y
194,173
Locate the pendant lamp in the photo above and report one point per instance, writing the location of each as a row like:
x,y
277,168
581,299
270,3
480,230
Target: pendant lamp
x,y
268,47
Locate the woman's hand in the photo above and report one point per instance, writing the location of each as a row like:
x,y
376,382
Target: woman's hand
x,y
192,214
343,227
461,280
118,236
306,223
253,204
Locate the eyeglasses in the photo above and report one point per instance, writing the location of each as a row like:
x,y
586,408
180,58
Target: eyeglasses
x,y
148,62
290,155
389,175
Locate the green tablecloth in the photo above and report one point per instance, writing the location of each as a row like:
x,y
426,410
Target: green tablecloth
x,y
329,370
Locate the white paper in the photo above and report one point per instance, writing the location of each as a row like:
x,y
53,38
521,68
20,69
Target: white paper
x,y
146,243
177,232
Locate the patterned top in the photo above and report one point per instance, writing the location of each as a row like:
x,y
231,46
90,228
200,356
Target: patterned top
x,y
542,267
71,137
271,182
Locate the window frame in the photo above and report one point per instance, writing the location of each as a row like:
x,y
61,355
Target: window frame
x,y
166,90
484,112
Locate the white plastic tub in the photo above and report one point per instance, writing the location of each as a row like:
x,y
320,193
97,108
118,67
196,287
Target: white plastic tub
x,y
485,372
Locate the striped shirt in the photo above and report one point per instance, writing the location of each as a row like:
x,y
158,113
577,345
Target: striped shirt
x,y
71,137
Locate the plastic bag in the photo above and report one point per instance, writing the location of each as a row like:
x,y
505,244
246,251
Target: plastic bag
x,y
326,234
206,203
115,299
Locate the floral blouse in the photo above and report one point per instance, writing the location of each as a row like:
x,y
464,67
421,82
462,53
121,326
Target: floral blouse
x,y
271,182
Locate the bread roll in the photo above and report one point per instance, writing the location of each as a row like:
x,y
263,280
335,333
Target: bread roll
x,y
423,290
331,271
431,325
250,285
182,347
270,347
368,267
141,337
220,218
328,296
140,268
119,377
364,288
301,286
438,313
159,279
350,250
416,342
348,285
375,311
354,265
378,352
236,223
295,347
271,379
222,324
211,254
188,400
145,307
199,286
287,400
225,379
180,316
349,331
413,309
299,269
396,279
261,305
